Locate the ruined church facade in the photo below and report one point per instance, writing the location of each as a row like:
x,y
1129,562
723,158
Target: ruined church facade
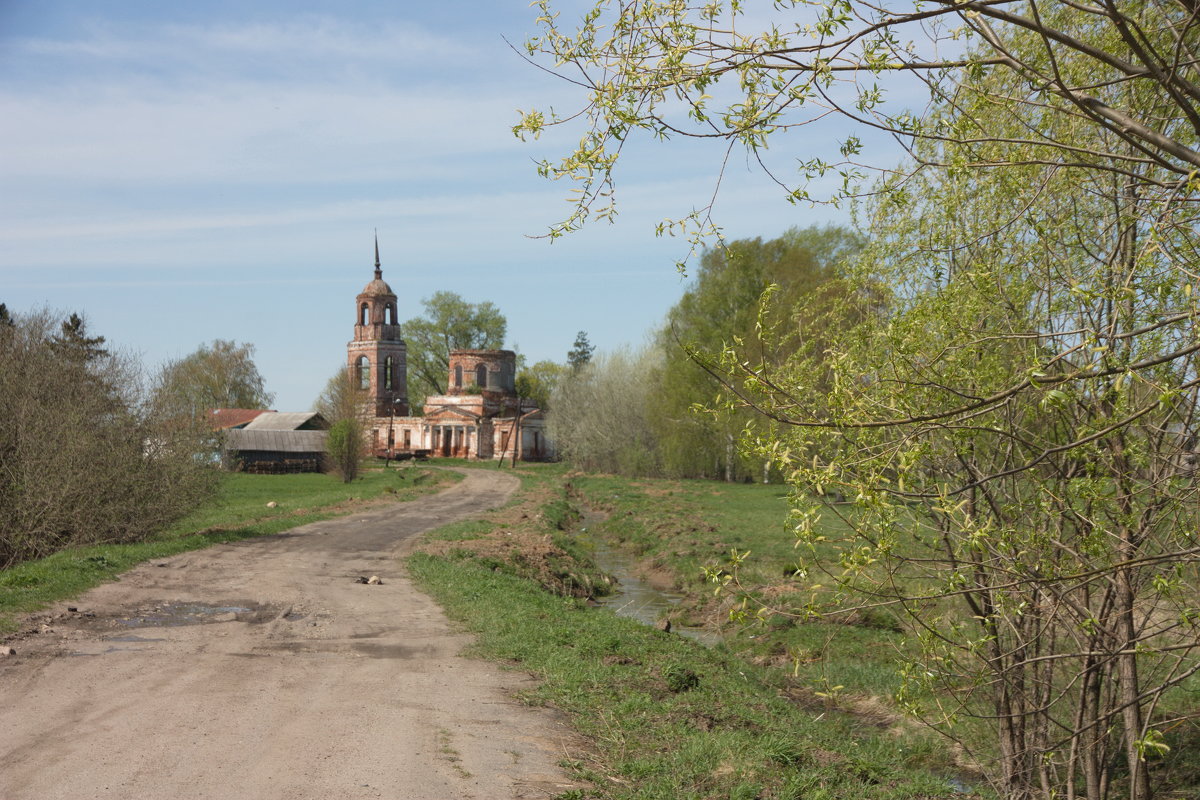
x,y
480,416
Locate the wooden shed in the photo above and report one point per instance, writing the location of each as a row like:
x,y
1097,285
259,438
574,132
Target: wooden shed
x,y
275,451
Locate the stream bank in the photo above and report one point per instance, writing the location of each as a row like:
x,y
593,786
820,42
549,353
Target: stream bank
x,y
633,596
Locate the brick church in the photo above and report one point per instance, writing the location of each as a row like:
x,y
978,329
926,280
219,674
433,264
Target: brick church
x,y
479,417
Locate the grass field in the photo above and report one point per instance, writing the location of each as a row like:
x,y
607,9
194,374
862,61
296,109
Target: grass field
x,y
239,511
678,528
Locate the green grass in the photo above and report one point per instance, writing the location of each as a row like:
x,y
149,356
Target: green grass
x,y
243,498
669,718
681,527
239,511
678,528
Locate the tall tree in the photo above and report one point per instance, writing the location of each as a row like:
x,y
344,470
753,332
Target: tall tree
x,y
580,352
449,323
344,404
218,375
802,269
1017,434
74,343
538,382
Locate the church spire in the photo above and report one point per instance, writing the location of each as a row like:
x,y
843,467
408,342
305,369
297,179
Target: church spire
x,y
378,271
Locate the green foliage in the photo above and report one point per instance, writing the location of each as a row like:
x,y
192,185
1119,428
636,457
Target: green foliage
x,y
581,352
1024,413
1026,410
449,323
652,397
346,445
802,274
218,375
718,70
539,381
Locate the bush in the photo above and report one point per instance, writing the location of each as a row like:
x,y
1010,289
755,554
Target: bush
x,y
345,447
82,458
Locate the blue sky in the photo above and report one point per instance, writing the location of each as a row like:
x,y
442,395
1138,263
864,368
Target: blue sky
x,y
181,172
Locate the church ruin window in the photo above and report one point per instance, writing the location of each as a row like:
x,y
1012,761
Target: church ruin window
x,y
387,373
391,313
364,372
481,376
458,374
364,315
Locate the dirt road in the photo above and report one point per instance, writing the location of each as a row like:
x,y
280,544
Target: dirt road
x,y
262,670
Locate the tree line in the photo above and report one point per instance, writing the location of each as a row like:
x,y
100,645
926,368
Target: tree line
x,y
661,410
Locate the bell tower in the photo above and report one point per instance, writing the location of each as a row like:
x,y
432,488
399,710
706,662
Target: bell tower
x,y
377,357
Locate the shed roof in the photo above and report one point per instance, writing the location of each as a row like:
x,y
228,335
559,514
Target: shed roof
x,y
288,421
223,418
275,441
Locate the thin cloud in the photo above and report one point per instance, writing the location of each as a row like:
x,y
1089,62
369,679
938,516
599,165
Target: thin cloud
x,y
304,38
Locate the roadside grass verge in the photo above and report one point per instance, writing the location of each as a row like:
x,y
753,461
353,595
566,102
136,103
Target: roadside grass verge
x,y
668,718
665,717
239,511
528,538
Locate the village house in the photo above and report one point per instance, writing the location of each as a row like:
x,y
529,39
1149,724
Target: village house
x,y
480,416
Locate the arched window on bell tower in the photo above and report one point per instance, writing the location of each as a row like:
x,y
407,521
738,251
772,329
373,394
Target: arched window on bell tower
x,y
391,313
387,373
364,315
364,372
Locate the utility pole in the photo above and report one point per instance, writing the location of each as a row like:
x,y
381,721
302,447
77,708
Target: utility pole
x,y
517,432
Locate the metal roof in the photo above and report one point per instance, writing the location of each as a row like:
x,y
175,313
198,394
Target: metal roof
x,y
287,421
276,441
221,418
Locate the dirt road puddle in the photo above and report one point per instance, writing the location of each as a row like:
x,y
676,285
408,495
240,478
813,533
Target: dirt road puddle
x,y
172,615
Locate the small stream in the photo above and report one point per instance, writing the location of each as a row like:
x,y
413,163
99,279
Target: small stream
x,y
635,598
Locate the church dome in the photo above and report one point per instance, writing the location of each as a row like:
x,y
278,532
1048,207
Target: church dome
x,y
378,287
